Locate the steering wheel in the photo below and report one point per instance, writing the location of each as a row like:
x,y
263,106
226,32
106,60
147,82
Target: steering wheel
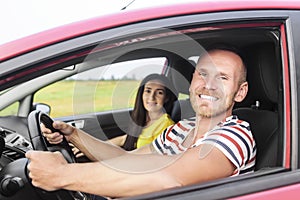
x,y
39,142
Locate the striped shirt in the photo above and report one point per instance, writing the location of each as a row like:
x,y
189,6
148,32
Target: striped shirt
x,y
232,136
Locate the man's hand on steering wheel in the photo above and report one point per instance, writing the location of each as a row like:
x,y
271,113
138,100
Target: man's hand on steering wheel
x,y
44,166
40,173
57,137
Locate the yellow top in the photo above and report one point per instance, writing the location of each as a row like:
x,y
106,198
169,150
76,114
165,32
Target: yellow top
x,y
151,132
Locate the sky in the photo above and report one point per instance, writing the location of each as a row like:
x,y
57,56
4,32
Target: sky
x,y
20,18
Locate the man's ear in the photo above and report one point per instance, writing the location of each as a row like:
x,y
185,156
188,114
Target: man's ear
x,y
242,92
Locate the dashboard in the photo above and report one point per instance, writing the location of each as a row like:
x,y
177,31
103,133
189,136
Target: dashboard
x,y
14,148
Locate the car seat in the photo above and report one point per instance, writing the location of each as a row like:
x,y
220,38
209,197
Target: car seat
x,y
261,106
181,76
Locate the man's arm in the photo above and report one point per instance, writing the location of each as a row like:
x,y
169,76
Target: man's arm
x,y
130,174
93,148
98,150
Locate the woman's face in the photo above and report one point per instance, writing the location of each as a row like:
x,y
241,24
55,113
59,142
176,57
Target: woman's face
x,y
154,96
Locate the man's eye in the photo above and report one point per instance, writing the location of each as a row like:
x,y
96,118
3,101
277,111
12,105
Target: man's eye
x,y
202,74
223,78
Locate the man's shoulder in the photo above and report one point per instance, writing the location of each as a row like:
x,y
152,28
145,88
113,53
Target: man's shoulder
x,y
234,120
234,126
187,123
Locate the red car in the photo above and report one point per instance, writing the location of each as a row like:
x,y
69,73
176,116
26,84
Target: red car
x,y
123,48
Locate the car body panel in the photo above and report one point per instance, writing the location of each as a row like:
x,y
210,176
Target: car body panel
x,y
288,192
85,27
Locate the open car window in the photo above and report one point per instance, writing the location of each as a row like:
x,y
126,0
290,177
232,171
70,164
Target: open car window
x,y
104,88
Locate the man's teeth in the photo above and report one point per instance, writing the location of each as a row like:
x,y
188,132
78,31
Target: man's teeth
x,y
210,98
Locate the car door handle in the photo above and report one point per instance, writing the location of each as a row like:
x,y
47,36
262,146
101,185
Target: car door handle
x,y
77,123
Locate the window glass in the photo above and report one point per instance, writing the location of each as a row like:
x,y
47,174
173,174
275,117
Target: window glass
x,y
99,89
182,96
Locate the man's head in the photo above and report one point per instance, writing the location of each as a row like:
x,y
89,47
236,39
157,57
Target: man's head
x,y
218,82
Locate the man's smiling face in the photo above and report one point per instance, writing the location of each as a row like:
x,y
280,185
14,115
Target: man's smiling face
x,y
215,83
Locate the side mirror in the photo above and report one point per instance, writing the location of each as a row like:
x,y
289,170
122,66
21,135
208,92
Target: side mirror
x,y
42,107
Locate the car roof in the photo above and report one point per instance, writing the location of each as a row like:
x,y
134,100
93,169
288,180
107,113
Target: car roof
x,y
55,35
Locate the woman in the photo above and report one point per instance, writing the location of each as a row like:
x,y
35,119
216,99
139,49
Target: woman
x,y
151,112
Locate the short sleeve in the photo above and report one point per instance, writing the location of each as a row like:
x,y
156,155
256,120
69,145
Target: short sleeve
x,y
237,143
170,141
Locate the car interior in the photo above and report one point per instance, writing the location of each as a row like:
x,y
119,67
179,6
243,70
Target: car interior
x,y
262,108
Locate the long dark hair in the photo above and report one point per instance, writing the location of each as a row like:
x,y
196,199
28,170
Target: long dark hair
x,y
139,113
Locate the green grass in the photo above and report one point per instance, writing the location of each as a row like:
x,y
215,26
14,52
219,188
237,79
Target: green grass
x,y
79,97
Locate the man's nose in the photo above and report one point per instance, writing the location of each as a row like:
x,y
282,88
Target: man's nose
x,y
210,83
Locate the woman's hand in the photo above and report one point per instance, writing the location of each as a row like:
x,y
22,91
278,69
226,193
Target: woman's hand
x,y
56,137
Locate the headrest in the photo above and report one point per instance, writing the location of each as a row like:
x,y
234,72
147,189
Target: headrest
x,y
181,75
269,73
262,76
